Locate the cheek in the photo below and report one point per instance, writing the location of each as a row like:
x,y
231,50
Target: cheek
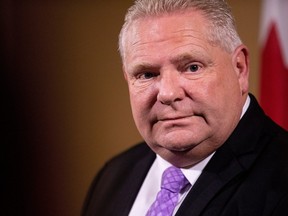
x,y
141,112
223,95
136,105
141,103
225,83
203,90
211,93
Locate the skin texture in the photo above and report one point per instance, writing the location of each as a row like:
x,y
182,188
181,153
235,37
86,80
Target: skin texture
x,y
186,94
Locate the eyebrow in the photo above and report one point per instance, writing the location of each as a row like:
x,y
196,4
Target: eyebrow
x,y
144,67
181,58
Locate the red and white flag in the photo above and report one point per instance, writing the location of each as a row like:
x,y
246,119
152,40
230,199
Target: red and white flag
x,y
274,60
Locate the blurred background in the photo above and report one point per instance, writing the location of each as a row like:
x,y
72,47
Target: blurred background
x,y
64,101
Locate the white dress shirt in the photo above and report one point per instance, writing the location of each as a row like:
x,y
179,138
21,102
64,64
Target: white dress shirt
x,y
151,185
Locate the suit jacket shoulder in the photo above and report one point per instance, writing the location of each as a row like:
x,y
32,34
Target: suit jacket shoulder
x,y
115,187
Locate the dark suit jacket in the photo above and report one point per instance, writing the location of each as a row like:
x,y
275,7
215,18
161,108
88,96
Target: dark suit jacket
x,y
247,176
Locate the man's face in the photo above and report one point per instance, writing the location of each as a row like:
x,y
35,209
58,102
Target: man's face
x,y
186,94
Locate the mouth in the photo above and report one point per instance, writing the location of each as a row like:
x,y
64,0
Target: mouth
x,y
174,118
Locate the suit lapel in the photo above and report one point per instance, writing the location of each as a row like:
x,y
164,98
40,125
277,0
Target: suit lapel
x,y
211,181
129,190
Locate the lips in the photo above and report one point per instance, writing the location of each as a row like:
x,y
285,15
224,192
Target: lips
x,y
173,118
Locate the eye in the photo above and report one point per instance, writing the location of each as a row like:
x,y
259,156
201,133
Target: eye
x,y
147,75
193,68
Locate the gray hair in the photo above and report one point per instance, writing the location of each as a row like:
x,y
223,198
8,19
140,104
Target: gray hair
x,y
222,30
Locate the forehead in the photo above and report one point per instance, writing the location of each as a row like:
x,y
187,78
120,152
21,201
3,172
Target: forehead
x,y
158,30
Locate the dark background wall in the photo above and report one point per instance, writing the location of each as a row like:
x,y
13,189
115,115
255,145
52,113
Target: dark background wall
x,y
64,102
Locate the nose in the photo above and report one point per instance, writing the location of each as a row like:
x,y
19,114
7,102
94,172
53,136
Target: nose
x,y
170,89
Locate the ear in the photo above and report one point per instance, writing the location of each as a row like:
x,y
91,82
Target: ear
x,y
241,66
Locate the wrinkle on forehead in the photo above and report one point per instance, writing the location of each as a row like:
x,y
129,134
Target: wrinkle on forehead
x,y
157,36
138,40
136,37
140,50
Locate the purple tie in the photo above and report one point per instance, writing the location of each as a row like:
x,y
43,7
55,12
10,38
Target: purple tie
x,y
173,181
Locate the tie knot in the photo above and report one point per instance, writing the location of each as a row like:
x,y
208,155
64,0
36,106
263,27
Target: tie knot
x,y
173,180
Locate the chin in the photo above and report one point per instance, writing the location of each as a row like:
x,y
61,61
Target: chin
x,y
179,158
179,145
184,154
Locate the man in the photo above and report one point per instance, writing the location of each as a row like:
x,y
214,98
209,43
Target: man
x,y
187,72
